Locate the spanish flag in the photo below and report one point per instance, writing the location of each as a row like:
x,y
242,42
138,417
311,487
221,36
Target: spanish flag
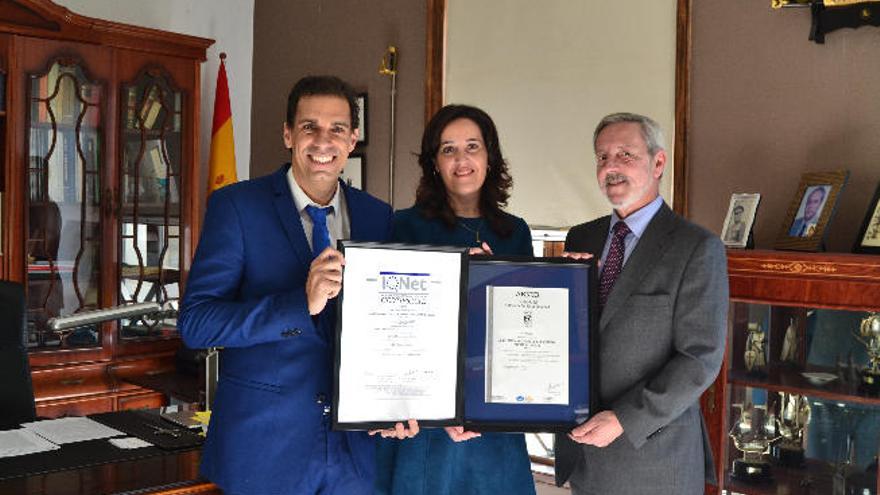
x,y
221,166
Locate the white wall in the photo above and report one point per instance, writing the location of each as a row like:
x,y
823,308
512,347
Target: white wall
x,y
229,22
547,72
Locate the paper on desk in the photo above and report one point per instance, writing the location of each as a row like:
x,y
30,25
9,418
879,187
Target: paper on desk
x,y
23,441
129,443
69,430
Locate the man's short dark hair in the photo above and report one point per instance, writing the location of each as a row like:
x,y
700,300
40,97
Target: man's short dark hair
x,y
739,208
322,86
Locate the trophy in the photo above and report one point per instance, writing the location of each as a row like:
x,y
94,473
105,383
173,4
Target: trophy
x,y
794,414
869,336
753,434
756,350
789,344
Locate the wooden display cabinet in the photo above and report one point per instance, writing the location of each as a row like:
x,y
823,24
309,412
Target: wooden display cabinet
x,y
100,203
808,309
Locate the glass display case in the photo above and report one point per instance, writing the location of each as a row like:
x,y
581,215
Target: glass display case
x,y
100,203
800,412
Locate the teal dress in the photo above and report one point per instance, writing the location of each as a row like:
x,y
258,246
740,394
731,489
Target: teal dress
x,y
431,463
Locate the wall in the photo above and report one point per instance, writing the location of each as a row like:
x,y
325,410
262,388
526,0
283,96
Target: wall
x,y
346,38
229,23
769,105
547,72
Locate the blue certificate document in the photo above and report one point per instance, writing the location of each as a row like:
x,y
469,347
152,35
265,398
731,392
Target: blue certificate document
x,y
530,353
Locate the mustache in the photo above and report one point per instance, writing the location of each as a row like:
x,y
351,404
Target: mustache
x,y
615,177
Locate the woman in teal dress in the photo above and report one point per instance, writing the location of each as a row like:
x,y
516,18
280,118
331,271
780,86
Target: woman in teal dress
x,y
459,201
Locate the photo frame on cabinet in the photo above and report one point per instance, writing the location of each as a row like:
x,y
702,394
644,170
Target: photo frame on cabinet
x,y
353,173
810,211
362,119
737,229
868,240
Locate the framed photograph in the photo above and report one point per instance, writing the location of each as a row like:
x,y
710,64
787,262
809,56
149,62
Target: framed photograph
x,y
868,240
739,220
810,211
362,118
353,173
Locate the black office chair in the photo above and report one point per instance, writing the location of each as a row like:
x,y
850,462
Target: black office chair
x,y
16,390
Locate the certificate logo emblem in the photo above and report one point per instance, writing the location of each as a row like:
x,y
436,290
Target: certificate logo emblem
x,y
527,319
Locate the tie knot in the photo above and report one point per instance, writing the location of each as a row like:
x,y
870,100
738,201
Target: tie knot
x,y
620,229
317,213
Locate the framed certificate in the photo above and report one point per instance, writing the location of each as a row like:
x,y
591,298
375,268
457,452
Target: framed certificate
x,y
491,343
399,336
531,344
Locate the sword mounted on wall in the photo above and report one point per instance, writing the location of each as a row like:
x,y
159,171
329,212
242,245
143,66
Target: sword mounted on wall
x,y
831,15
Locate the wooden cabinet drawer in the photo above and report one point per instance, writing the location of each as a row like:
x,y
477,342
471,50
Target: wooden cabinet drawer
x,y
73,381
140,401
74,407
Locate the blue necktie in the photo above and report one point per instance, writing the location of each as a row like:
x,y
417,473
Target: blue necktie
x,y
320,234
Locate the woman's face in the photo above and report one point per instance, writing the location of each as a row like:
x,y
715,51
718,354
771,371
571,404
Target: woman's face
x,y
462,160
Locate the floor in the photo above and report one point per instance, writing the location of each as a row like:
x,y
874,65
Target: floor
x,y
544,485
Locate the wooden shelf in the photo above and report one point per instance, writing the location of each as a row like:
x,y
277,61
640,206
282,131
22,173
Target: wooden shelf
x,y
786,379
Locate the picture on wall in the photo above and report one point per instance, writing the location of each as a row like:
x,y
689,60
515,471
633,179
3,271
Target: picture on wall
x,y
810,212
353,173
868,240
362,118
740,218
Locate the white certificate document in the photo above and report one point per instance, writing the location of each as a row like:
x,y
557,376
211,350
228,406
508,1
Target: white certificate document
x,y
400,332
526,345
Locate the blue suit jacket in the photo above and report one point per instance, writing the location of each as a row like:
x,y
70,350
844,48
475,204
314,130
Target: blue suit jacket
x,y
246,293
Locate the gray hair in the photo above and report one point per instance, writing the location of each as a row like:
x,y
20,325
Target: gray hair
x,y
651,132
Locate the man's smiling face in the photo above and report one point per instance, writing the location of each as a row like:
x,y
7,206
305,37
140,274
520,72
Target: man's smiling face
x,y
320,140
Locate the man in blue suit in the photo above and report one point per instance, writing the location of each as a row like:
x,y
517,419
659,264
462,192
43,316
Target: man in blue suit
x,y
262,286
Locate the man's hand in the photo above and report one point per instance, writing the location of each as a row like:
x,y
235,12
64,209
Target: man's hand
x,y
399,431
576,256
484,249
599,431
325,279
457,433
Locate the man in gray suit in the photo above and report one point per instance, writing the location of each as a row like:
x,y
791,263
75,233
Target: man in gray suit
x,y
663,300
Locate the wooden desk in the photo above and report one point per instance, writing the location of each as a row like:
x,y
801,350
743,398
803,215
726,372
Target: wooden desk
x,y
173,473
96,467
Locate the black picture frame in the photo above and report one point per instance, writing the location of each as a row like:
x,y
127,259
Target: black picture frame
x,y
354,173
580,278
342,246
868,240
363,104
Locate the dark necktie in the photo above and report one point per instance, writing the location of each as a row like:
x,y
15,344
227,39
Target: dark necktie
x,y
320,234
613,262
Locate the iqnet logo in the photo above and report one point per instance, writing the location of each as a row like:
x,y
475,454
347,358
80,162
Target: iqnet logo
x,y
403,288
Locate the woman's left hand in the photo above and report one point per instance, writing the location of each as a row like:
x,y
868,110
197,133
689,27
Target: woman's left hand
x,y
458,433
484,250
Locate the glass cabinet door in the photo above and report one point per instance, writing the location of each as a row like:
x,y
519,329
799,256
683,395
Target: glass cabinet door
x,y
149,221
63,213
803,412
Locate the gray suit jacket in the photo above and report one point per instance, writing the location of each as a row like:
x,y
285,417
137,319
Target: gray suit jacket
x,y
661,343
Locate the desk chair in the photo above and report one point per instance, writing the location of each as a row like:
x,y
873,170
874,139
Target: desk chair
x,y
16,390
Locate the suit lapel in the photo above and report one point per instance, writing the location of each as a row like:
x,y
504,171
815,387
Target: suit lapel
x,y
595,244
289,216
357,221
647,252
